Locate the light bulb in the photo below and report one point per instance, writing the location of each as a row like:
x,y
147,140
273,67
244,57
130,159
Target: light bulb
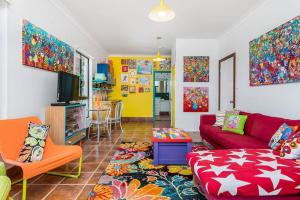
x,y
162,14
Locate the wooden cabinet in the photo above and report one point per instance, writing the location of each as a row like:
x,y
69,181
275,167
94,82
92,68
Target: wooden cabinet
x,y
67,123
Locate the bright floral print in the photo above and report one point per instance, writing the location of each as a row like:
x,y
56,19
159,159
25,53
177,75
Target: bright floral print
x,y
147,164
123,157
141,180
180,169
138,146
117,169
42,50
101,192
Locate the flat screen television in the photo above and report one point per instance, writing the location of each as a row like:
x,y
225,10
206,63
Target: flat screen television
x,y
67,87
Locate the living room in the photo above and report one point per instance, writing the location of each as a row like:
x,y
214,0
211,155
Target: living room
x,y
158,99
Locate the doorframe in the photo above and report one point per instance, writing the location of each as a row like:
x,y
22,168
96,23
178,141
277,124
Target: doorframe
x,y
154,91
233,55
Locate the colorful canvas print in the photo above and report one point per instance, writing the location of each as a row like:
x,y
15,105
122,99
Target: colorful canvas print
x,y
141,89
132,89
125,68
196,68
195,99
124,78
275,56
165,65
144,80
124,87
132,63
147,89
144,67
42,50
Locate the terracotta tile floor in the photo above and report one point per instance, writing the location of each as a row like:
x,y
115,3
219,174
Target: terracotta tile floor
x,y
95,159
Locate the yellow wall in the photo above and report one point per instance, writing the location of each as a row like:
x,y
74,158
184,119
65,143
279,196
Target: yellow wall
x,y
136,104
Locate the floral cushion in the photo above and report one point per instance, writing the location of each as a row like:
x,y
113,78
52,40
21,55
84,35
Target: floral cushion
x,y
235,123
291,147
280,135
34,143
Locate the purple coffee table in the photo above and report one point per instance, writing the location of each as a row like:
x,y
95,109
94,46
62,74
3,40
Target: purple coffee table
x,y
171,146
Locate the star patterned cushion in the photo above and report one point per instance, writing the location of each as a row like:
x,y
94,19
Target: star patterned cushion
x,y
245,172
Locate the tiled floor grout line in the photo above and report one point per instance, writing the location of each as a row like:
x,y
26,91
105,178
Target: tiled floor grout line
x,y
93,173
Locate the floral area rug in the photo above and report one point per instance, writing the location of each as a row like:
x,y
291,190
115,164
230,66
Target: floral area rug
x,y
131,175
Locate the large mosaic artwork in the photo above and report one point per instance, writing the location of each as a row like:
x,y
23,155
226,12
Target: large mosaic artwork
x,y
42,50
275,56
195,99
196,68
132,175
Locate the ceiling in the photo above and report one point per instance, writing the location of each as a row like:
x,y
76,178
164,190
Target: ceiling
x,y
123,26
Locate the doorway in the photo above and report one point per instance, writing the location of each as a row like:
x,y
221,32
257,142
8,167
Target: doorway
x,y
227,73
162,96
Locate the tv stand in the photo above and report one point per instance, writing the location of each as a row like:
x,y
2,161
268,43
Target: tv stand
x,y
64,104
67,123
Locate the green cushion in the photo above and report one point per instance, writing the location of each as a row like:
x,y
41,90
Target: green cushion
x,y
5,186
2,169
235,123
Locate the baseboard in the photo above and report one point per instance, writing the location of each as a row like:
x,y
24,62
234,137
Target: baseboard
x,y
136,119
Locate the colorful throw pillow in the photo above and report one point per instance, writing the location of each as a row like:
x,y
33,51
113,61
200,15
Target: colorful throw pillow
x,y
235,123
220,118
291,147
280,135
34,143
295,129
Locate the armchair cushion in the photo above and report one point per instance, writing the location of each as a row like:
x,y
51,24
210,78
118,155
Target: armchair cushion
x,y
5,186
34,143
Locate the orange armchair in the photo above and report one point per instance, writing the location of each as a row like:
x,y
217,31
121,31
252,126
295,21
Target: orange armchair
x,y
12,136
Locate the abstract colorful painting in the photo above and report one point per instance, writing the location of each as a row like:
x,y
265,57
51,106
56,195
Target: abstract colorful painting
x,y
124,87
144,80
124,78
144,67
195,99
196,68
42,50
275,56
125,68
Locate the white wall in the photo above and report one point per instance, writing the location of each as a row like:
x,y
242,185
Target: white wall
x,y
30,90
195,47
275,100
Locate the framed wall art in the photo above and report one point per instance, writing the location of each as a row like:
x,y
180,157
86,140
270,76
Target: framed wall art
x,y
196,68
44,51
275,56
195,99
144,67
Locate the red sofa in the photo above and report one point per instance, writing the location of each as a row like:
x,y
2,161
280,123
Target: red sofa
x,y
258,129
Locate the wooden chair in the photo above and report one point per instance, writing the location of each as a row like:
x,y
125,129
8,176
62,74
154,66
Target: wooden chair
x,y
12,136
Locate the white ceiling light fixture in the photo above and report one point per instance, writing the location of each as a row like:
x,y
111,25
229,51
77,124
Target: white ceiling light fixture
x,y
162,13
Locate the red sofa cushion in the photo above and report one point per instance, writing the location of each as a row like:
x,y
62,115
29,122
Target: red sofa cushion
x,y
263,127
231,140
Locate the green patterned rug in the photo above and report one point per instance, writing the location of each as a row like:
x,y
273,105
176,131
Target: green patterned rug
x,y
131,175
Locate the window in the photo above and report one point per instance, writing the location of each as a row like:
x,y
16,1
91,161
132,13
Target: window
x,y
82,63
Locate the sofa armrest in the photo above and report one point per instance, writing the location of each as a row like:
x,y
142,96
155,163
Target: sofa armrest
x,y
207,119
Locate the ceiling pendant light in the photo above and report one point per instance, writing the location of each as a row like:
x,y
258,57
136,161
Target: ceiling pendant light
x,y
158,57
162,13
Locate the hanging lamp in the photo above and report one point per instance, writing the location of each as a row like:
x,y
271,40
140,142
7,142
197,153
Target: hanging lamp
x,y
162,13
158,57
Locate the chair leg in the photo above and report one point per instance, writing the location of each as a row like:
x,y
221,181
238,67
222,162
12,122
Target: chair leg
x,y
89,131
98,133
24,189
70,175
121,125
